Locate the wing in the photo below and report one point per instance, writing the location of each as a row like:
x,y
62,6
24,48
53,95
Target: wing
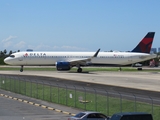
x,y
83,61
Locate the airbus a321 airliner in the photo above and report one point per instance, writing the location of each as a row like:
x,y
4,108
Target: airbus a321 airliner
x,y
66,60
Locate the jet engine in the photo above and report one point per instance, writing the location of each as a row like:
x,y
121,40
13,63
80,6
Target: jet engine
x,y
63,66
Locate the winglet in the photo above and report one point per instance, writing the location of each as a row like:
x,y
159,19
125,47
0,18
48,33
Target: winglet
x,y
145,44
95,55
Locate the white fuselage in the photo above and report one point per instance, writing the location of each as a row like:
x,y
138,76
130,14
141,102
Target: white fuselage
x,y
50,58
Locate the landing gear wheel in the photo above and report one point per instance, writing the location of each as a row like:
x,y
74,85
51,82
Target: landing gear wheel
x,y
120,69
79,70
21,70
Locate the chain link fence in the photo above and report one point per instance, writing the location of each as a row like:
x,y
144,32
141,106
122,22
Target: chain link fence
x,y
85,98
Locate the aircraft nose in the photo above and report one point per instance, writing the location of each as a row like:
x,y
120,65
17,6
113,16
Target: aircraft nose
x,y
7,60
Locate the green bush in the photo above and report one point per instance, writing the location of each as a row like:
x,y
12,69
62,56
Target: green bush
x,y
2,61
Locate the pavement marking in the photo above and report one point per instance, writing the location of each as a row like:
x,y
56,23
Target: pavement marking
x,y
50,108
35,104
9,97
65,112
25,101
73,114
43,106
58,110
15,98
31,103
20,100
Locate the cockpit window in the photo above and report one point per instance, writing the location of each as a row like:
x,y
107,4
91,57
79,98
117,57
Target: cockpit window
x,y
12,56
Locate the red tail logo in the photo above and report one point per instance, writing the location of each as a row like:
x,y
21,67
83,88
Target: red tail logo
x,y
146,43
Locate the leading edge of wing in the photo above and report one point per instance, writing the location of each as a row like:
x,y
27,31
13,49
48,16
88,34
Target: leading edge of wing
x,y
84,60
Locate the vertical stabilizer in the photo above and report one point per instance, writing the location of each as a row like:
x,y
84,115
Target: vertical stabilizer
x,y
146,43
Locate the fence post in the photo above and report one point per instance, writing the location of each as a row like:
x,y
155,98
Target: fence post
x,y
31,88
25,87
19,85
58,92
5,83
107,103
66,94
135,107
43,90
14,85
120,101
0,80
152,104
74,96
50,92
85,97
95,98
10,84
37,89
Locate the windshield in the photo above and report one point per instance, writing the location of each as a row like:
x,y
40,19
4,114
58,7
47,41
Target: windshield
x,y
12,56
79,115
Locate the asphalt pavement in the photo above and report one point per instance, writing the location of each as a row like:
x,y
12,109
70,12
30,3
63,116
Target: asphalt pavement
x,y
14,107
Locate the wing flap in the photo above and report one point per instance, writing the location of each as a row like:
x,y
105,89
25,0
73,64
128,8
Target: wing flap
x,y
83,61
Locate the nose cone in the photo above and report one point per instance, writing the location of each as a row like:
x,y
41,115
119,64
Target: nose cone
x,y
7,60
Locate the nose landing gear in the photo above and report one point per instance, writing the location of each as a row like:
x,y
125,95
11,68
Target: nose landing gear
x,y
21,69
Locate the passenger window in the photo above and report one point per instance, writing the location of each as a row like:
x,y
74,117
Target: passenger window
x,y
137,117
101,116
91,116
80,115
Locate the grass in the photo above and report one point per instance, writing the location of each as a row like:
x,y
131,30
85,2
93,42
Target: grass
x,y
91,69
95,102
28,69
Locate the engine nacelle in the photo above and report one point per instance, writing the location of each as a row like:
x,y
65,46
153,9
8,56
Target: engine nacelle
x,y
63,66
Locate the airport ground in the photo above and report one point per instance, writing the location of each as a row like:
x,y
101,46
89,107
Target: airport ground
x,y
12,109
138,80
142,83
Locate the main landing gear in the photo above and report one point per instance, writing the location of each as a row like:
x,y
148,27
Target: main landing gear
x,y
120,69
79,70
21,70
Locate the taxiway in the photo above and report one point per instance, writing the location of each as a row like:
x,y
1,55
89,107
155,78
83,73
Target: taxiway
x,y
137,80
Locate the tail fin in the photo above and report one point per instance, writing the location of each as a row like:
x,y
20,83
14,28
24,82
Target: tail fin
x,y
146,43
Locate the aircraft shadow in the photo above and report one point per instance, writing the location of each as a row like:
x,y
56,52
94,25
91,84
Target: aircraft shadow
x,y
84,72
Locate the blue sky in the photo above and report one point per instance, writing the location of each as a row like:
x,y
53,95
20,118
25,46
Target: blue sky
x,y
77,25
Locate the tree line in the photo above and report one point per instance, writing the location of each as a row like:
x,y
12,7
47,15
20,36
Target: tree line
x,y
4,54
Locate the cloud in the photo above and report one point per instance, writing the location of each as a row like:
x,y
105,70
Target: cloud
x,y
20,45
7,44
9,38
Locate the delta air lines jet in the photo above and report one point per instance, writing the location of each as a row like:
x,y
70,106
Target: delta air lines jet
x,y
66,60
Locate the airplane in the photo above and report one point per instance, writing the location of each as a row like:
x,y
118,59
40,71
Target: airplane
x,y
66,60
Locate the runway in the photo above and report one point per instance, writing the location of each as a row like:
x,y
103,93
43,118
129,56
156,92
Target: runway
x,y
149,81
